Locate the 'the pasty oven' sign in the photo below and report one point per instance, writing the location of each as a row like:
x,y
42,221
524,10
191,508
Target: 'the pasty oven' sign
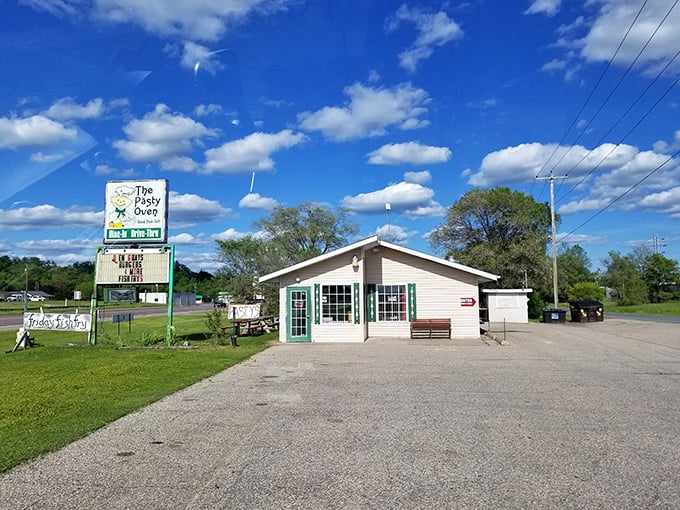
x,y
136,212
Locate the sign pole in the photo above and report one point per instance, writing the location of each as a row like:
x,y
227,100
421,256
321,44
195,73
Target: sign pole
x,y
93,303
171,294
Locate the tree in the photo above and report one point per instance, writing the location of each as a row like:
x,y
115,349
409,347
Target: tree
x,y
500,231
659,273
573,267
623,276
306,231
585,290
243,261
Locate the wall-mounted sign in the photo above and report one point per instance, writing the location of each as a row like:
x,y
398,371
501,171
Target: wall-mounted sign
x,y
58,321
136,212
467,301
132,265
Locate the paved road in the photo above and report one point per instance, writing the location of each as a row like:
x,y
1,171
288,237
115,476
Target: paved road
x,y
15,321
565,416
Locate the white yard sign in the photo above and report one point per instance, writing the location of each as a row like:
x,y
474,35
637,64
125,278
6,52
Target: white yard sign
x,y
136,212
58,321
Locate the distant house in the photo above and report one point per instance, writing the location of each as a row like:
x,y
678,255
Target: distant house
x,y
373,288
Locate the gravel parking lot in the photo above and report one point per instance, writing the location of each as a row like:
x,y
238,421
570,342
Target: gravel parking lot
x,y
564,416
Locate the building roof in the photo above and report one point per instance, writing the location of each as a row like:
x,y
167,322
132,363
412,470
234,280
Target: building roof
x,y
374,241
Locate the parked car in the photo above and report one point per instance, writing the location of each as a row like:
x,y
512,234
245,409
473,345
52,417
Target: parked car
x,y
36,298
15,297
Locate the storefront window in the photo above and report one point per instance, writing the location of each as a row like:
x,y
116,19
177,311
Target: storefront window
x,y
336,303
391,302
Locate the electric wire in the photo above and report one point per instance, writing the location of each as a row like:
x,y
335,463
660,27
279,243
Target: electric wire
x,y
592,92
611,93
623,138
659,167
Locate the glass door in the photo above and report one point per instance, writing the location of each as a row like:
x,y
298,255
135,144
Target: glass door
x,y
299,315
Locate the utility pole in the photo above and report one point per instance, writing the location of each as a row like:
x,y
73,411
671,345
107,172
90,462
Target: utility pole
x,y
552,223
657,243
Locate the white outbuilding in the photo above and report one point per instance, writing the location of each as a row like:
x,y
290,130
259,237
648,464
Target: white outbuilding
x,y
373,288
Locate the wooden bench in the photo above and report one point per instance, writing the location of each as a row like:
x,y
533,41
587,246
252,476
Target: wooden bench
x,y
431,328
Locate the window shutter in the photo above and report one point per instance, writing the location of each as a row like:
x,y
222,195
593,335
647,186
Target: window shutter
x,y
357,315
317,303
370,302
412,310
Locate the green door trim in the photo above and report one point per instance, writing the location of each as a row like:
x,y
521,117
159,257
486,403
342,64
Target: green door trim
x,y
302,313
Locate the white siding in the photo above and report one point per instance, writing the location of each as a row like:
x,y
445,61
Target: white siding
x,y
334,271
439,290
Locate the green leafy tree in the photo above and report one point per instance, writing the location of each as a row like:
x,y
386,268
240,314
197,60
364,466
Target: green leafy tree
x,y
659,273
305,231
573,266
500,231
622,275
243,262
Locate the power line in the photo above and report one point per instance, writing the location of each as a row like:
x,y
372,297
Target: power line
x,y
635,126
592,92
670,158
611,93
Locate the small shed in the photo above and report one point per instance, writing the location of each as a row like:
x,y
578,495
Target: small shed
x,y
508,305
374,288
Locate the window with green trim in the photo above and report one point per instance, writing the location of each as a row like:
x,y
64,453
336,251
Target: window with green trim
x,y
336,303
391,302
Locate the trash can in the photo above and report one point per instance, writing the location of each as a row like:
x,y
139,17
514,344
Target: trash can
x,y
586,310
554,315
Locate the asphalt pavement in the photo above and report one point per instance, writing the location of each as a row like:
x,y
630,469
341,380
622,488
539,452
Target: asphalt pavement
x,y
564,416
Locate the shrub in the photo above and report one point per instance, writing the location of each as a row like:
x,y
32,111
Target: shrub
x,y
586,290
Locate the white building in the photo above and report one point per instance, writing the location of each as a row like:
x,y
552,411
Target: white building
x,y
373,288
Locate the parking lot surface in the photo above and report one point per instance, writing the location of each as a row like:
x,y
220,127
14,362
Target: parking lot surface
x,y
563,416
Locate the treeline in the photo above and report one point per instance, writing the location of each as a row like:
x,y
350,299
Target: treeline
x,y
33,274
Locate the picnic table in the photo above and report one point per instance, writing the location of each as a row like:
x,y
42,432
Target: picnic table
x,y
255,326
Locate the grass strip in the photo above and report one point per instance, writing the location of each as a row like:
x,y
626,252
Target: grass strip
x,y
63,389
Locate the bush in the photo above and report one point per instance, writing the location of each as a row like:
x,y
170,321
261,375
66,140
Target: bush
x,y
536,305
585,290
213,321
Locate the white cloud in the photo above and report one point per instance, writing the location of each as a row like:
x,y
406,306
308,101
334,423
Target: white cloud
x,y
394,234
257,202
186,239
67,109
547,7
231,234
47,216
434,29
418,177
252,153
404,197
522,163
188,210
204,20
55,246
667,202
34,131
369,112
162,137
410,152
41,157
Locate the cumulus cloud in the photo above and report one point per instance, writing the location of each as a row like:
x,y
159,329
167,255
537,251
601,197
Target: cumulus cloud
x,y
418,177
207,20
667,202
250,154
547,7
67,109
56,246
48,216
434,29
369,112
162,137
257,202
412,153
404,197
522,163
597,39
187,210
231,234
395,234
33,131
186,239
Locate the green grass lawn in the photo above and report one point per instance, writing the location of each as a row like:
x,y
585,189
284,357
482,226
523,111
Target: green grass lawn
x,y
62,389
667,308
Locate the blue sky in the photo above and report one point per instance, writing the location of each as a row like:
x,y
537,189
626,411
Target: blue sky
x,y
247,104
